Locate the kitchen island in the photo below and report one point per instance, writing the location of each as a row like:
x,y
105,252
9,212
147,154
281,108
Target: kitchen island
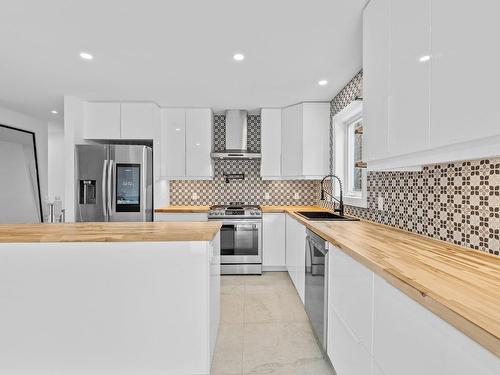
x,y
109,298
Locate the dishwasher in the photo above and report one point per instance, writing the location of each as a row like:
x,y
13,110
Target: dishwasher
x,y
316,288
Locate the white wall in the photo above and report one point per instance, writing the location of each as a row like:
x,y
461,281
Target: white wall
x,y
74,119
56,160
39,127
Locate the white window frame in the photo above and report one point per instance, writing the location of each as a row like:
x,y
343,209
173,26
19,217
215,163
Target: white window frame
x,y
349,115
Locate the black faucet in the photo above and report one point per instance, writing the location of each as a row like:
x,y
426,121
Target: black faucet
x,y
340,210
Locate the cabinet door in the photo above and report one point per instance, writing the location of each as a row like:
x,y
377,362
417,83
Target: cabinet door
x,y
409,102
102,121
316,139
291,141
270,142
137,120
407,338
346,353
198,142
173,145
291,254
376,53
347,279
465,79
273,240
300,250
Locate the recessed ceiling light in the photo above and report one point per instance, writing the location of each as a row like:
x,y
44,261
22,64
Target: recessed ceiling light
x,y
238,57
54,112
86,56
424,58
323,82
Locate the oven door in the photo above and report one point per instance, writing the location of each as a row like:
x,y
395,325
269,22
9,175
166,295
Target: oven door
x,y
241,241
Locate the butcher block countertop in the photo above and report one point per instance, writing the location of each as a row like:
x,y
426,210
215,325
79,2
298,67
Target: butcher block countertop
x,y
182,209
109,232
203,209
460,285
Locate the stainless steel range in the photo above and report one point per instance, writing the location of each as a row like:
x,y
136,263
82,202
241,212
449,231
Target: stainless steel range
x,y
241,238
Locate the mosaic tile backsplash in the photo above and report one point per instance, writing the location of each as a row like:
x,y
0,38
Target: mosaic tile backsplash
x,y
252,189
456,202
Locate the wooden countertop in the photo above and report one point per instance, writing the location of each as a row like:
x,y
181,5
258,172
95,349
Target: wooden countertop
x,y
109,232
182,209
204,209
460,285
278,209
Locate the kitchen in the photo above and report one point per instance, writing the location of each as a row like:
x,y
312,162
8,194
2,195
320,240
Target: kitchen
x,y
238,208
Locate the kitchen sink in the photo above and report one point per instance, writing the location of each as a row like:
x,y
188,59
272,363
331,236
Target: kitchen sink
x,y
324,216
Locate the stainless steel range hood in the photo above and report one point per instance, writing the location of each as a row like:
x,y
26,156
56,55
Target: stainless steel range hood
x,y
236,137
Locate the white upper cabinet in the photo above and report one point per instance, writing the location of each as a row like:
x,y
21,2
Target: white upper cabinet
x,y
173,142
409,76
376,54
198,142
102,121
291,141
137,120
430,80
465,78
120,121
305,132
186,143
270,143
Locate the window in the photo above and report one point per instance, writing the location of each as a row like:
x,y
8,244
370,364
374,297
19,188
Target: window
x,y
348,154
354,151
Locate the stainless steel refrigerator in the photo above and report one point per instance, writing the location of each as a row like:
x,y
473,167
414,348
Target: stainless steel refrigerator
x,y
114,183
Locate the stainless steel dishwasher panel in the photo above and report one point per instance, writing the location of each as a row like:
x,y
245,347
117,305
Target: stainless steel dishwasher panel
x,y
316,288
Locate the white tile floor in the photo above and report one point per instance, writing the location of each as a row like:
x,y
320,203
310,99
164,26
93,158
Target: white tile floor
x,y
264,329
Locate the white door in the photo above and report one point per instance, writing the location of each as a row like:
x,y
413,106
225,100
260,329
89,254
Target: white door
x,y
291,141
409,76
465,79
376,50
316,139
173,143
273,239
198,142
270,142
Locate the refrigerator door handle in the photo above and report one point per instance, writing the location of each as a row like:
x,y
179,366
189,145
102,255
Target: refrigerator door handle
x,y
104,198
110,186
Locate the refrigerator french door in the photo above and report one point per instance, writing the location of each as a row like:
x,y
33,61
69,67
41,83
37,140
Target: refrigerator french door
x,y
114,183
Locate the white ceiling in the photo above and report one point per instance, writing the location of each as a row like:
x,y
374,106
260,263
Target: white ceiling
x,y
177,53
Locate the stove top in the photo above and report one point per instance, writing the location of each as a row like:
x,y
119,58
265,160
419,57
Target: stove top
x,y
235,210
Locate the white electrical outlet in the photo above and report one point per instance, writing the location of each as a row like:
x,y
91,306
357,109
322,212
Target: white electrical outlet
x,y
194,196
267,196
296,196
380,202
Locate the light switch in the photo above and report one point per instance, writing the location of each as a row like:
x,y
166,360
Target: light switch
x,y
296,196
194,196
267,196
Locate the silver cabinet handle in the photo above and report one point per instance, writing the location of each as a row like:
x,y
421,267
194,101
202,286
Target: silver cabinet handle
x,y
104,183
110,186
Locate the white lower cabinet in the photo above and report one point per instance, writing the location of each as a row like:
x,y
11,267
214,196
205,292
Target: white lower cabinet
x,y
350,314
347,354
166,216
273,241
407,338
295,254
374,328
410,339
